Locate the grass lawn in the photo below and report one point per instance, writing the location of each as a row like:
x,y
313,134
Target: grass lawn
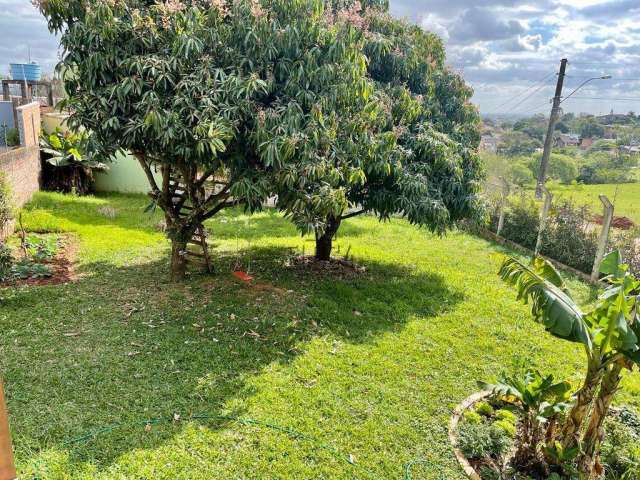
x,y
627,199
370,367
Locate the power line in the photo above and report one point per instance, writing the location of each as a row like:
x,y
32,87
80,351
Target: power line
x,y
515,97
617,99
515,107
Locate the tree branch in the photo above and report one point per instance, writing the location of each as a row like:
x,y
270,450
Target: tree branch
x,y
352,214
219,207
148,173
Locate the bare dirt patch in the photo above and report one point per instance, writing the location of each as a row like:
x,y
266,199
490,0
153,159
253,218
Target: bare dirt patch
x,y
338,267
62,266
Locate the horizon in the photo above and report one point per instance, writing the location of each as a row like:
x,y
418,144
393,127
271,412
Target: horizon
x,y
507,50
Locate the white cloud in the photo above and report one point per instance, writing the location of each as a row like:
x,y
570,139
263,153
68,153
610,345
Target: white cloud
x,y
432,23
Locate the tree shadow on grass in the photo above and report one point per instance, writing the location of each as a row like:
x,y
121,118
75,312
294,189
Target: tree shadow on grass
x,y
127,211
123,345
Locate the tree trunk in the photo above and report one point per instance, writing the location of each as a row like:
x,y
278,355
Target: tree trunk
x,y
589,461
324,241
178,260
570,434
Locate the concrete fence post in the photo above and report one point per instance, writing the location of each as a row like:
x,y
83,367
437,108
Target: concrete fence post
x,y
607,218
503,205
7,467
548,197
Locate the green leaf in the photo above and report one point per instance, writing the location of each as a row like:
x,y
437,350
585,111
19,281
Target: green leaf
x,y
550,306
611,263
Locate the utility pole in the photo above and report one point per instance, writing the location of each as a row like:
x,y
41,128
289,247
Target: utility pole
x,y
553,119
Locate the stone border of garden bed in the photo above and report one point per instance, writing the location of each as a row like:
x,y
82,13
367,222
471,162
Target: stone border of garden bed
x,y
453,431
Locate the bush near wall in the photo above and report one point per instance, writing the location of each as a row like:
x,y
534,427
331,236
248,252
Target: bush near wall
x,y
6,206
629,244
568,237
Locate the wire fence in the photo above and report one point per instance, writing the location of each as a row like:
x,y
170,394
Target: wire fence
x,y
573,235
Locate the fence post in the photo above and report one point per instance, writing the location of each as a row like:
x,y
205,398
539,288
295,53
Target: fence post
x,y
503,204
548,197
7,467
607,218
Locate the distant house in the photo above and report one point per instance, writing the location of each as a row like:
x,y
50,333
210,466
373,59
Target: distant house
x,y
614,118
567,140
586,143
631,149
489,144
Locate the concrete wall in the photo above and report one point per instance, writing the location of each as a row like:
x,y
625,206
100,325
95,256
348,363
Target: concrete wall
x,y
124,175
53,120
6,118
21,167
29,124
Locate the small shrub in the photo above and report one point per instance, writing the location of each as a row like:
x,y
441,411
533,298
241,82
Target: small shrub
x,y
13,137
629,244
26,269
521,221
478,441
6,204
506,415
472,417
487,473
568,237
42,249
507,427
6,260
483,408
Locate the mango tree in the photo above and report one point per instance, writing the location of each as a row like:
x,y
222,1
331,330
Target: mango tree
x,y
410,149
187,86
609,334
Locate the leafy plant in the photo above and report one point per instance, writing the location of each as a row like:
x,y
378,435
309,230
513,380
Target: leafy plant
x,y
472,417
6,260
27,269
68,167
483,408
481,440
41,249
609,334
6,203
541,402
13,137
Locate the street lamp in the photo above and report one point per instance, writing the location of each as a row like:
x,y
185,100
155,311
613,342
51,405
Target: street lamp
x,y
553,118
604,77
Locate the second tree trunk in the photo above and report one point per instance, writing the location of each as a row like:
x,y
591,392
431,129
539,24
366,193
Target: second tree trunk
x,y
324,240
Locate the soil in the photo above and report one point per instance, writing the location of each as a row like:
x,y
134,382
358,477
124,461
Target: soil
x,y
62,266
338,267
621,223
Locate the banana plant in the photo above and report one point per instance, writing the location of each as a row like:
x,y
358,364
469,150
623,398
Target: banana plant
x,y
541,401
64,149
609,334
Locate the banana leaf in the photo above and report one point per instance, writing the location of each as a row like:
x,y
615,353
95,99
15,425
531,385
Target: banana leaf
x,y
550,304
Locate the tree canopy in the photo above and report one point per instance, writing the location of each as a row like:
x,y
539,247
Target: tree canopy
x,y
208,91
411,150
335,106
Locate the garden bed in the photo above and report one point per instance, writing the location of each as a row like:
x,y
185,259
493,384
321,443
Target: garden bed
x,y
483,429
48,260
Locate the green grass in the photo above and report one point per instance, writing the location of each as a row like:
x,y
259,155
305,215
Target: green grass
x,y
626,197
370,366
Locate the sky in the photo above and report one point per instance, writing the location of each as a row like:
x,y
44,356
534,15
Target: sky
x,y
508,50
